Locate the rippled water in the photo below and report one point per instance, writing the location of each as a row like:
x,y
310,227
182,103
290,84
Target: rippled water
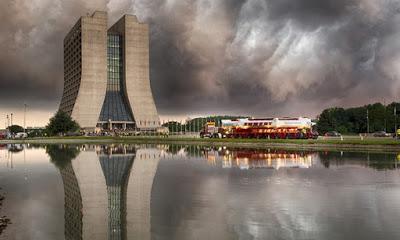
x,y
181,192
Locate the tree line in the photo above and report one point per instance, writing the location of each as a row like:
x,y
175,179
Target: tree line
x,y
369,118
196,124
373,117
61,123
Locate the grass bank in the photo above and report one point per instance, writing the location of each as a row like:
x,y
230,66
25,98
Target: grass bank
x,y
348,143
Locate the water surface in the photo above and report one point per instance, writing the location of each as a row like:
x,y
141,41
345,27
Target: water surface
x,y
181,192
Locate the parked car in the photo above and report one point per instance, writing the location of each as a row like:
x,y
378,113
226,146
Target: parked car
x,y
382,134
333,134
73,134
315,134
21,135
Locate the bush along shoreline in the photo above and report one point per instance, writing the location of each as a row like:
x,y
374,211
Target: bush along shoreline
x,y
4,221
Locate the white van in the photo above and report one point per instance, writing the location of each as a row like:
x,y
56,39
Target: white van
x,y
21,135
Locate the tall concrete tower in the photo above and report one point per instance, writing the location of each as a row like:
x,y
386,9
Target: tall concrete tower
x,y
106,74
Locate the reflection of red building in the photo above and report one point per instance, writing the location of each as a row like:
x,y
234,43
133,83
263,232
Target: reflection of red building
x,y
252,159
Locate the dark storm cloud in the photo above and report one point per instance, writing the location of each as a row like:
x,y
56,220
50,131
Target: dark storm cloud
x,y
251,57
272,57
31,40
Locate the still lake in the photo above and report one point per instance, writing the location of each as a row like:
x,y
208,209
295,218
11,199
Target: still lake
x,y
95,192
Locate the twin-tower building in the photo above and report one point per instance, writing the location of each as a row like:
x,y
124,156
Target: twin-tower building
x,y
106,74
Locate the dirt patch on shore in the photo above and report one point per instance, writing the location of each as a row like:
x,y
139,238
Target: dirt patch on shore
x,y
4,221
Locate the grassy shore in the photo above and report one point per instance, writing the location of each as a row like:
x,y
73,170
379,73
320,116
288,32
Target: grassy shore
x,y
347,143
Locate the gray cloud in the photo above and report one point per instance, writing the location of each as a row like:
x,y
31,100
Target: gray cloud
x,y
258,57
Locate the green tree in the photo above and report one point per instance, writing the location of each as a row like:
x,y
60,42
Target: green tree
x,y
173,126
61,123
15,129
62,155
354,120
36,133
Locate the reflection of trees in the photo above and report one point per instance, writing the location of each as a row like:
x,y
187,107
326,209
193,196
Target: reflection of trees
x,y
15,148
194,151
378,161
116,149
383,165
34,146
190,150
382,161
61,155
174,149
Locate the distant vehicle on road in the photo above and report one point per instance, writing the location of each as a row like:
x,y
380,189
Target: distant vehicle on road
x,y
333,134
261,128
382,134
73,134
315,134
21,135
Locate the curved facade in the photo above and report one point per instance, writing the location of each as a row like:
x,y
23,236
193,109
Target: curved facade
x,y
106,74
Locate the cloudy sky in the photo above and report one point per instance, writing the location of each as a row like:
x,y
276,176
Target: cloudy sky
x,y
249,57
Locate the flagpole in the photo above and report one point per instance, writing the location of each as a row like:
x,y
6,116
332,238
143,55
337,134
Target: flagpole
x,y
395,120
367,122
25,117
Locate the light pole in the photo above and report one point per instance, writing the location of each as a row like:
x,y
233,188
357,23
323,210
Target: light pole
x,y
8,121
11,119
367,122
25,117
384,103
395,120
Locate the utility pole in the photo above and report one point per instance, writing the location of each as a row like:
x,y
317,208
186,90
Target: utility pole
x,y
384,103
367,122
25,117
395,120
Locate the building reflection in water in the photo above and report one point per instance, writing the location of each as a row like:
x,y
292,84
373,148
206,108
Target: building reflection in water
x,y
108,188
101,184
116,165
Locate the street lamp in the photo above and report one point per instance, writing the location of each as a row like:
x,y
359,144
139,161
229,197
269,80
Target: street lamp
x,y
367,122
395,120
25,117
